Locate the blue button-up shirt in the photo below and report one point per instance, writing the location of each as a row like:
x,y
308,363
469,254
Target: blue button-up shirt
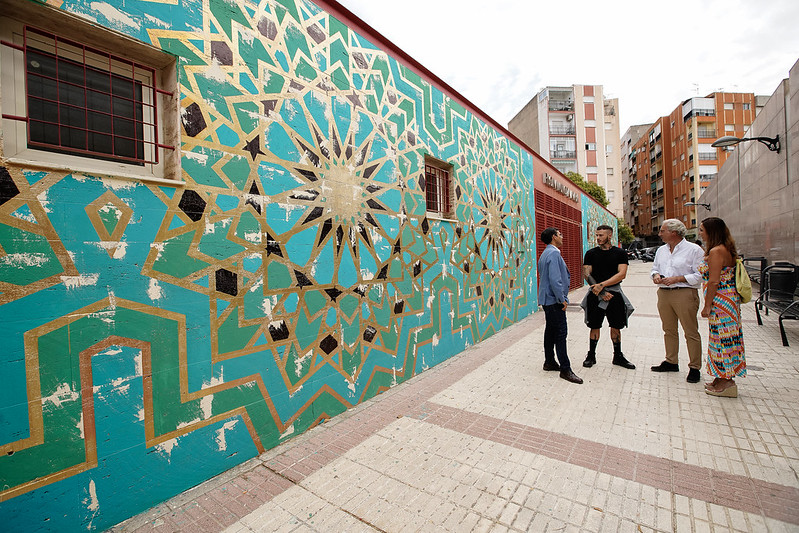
x,y
553,277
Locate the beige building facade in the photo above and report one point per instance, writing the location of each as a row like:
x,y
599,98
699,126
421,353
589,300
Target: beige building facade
x,y
576,128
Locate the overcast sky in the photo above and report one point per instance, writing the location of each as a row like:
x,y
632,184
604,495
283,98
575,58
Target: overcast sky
x,y
650,55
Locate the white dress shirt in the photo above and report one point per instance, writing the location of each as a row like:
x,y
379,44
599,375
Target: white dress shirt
x,y
684,260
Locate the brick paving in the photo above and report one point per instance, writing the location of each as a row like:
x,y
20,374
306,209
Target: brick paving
x,y
488,441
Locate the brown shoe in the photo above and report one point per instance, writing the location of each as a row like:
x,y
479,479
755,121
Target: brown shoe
x,y
570,376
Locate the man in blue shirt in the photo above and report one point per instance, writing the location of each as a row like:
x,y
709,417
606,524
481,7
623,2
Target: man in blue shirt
x,y
553,296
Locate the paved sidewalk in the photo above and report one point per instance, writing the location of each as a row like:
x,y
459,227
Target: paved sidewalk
x,y
488,441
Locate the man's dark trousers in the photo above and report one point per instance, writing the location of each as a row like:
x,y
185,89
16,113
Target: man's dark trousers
x,y
555,335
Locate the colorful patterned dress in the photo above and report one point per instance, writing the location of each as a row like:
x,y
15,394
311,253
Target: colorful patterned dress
x,y
725,351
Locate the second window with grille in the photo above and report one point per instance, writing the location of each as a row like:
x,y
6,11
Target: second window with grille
x,y
438,188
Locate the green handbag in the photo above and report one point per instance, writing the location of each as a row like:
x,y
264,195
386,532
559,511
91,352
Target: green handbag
x,y
742,283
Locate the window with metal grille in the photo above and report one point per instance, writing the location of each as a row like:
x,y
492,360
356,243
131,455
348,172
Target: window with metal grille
x,y
85,101
438,188
70,103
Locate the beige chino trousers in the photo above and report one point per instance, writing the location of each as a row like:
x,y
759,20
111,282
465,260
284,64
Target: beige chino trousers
x,y
680,305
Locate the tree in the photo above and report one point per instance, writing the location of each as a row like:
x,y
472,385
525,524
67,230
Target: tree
x,y
592,189
626,235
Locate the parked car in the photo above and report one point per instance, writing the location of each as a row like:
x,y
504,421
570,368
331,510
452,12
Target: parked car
x,y
648,254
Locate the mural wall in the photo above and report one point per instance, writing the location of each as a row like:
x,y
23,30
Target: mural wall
x,y
157,334
594,215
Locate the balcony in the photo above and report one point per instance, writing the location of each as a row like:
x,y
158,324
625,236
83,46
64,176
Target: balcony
x,y
562,130
561,105
699,113
562,154
706,134
707,156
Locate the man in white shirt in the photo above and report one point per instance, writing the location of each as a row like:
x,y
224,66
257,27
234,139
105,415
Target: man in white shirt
x,y
676,273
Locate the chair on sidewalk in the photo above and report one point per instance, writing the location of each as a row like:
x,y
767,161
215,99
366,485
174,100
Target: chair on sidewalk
x,y
780,283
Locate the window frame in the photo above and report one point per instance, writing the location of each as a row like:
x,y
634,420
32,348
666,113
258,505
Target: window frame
x,y
15,149
433,187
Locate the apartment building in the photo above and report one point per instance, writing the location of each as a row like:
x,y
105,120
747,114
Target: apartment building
x,y
626,146
673,162
577,130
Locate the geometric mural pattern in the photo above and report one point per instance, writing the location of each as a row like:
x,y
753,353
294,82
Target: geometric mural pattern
x,y
160,334
593,217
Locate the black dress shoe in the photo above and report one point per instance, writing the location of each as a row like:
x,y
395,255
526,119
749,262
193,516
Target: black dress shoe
x,y
550,366
590,360
693,376
570,376
620,360
665,366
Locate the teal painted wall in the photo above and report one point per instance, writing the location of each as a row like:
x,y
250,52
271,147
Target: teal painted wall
x,y
158,335
594,216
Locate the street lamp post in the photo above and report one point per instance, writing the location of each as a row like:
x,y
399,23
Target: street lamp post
x,y
729,140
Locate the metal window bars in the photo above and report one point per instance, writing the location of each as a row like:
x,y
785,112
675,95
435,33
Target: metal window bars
x,y
438,190
85,101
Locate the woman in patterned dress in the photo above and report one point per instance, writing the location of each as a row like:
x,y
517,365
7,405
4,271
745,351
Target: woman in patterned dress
x,y
725,352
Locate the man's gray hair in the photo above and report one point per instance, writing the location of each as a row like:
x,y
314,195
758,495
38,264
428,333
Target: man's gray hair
x,y
672,224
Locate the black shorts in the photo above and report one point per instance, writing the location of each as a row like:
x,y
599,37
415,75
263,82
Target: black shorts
x,y
616,312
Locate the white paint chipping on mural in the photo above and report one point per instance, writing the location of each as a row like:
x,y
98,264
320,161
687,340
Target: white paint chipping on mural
x,y
182,425
154,290
207,401
301,362
289,432
114,15
140,414
254,237
42,197
120,248
197,156
79,425
267,304
435,339
157,21
158,246
166,447
83,280
214,72
118,185
62,394
137,361
22,260
220,434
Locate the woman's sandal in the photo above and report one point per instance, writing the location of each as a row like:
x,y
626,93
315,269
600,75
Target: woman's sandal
x,y
729,392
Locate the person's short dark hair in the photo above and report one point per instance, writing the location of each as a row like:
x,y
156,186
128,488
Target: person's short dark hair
x,y
547,234
605,226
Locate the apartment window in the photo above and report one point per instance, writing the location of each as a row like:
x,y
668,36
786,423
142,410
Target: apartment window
x,y
674,162
747,107
729,127
682,157
68,102
608,125
610,171
728,107
438,187
590,146
608,148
